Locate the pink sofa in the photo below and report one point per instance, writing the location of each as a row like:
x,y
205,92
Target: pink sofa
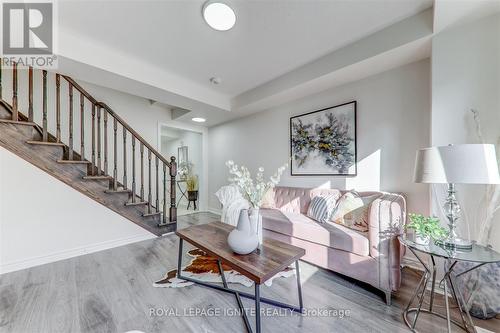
x,y
373,257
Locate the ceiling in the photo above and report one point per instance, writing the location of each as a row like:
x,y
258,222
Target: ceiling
x,y
270,38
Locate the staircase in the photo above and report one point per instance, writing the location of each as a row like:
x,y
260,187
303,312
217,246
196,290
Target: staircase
x,y
93,150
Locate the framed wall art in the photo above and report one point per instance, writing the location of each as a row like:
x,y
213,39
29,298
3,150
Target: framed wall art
x,y
323,142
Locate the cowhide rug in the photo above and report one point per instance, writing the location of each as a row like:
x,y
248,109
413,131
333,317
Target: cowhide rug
x,y
204,267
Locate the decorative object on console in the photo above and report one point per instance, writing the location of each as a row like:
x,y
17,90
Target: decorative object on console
x,y
352,210
192,189
456,164
184,167
323,142
243,239
426,228
254,191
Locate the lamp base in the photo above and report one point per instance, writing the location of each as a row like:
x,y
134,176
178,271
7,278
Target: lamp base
x,y
452,211
456,243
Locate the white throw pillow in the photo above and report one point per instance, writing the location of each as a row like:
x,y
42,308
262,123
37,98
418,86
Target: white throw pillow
x,y
321,207
352,210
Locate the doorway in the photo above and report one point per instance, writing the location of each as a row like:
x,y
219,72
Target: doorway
x,y
187,147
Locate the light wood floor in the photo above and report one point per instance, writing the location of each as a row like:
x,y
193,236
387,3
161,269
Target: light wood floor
x,y
111,291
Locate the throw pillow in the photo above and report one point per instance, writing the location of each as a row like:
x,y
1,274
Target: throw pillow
x,y
352,211
268,199
321,207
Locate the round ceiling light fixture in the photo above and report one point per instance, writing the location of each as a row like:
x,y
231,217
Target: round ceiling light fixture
x,y
198,120
218,15
215,80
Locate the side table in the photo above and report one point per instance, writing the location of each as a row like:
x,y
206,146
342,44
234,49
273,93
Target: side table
x,y
480,255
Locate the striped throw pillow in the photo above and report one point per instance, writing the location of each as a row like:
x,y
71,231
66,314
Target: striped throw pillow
x,y
321,207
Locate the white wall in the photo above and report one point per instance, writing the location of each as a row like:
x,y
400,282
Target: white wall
x,y
37,228
393,121
465,75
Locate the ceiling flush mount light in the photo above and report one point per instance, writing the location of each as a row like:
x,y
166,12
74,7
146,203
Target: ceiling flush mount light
x,y
218,15
199,120
215,80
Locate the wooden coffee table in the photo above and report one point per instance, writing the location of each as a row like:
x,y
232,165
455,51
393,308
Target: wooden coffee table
x,y
259,266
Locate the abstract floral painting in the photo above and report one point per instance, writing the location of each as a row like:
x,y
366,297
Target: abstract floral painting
x,y
323,142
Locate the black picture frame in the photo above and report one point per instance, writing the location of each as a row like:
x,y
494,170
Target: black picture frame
x,y
355,154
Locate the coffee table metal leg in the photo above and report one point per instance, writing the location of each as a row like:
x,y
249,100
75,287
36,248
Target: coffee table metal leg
x,y
257,308
179,258
299,286
237,295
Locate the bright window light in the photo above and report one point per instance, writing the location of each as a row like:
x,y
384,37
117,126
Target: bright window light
x,y
199,120
218,15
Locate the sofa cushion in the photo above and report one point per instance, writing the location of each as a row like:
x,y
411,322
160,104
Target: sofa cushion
x,y
321,207
352,210
327,234
296,199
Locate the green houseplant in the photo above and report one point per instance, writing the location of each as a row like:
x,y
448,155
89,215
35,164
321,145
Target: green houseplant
x,y
426,228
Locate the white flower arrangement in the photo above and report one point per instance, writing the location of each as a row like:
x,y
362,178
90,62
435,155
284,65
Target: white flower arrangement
x,y
253,191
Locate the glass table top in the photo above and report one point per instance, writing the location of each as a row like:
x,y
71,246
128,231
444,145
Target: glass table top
x,y
479,254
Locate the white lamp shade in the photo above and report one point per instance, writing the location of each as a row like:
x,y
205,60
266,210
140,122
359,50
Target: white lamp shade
x,y
457,164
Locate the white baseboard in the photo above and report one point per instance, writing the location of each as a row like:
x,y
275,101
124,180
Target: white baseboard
x,y
66,254
216,211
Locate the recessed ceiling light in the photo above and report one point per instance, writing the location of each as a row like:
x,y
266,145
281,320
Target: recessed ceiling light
x,y
215,80
199,120
218,15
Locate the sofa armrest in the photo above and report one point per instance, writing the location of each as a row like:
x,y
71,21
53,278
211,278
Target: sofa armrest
x,y
386,221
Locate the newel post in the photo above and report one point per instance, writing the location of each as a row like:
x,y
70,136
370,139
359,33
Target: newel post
x,y
173,174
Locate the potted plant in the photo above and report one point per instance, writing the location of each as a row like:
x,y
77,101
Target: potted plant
x,y
192,187
426,228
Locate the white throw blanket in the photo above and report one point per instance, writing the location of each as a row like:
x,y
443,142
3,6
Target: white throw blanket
x,y
232,202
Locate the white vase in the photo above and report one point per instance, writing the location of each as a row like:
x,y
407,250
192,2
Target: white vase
x,y
256,221
243,239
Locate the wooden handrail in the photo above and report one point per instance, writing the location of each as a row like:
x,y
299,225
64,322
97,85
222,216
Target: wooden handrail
x,y
117,117
80,89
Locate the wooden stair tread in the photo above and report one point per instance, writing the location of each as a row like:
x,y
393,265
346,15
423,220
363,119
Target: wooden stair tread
x,y
72,162
45,143
97,177
151,214
118,191
17,122
137,203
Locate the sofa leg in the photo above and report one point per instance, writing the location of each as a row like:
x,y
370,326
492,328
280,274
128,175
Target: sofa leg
x,y
388,297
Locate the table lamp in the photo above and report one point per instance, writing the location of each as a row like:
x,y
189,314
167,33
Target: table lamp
x,y
456,164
